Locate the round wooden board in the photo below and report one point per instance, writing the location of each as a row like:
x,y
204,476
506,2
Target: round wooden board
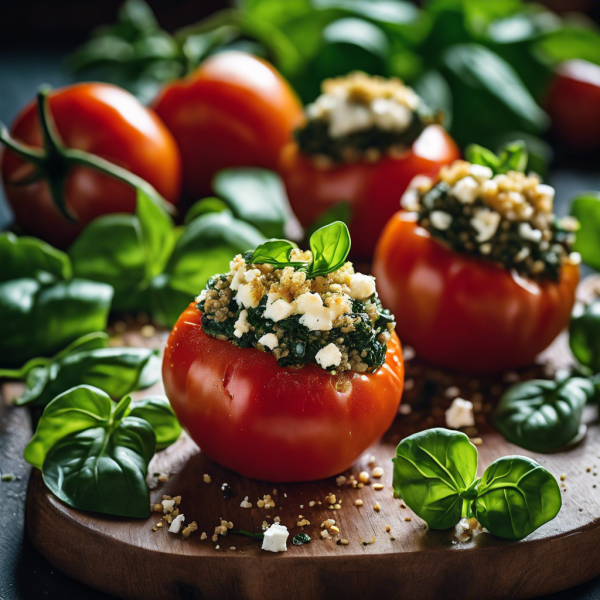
x,y
124,557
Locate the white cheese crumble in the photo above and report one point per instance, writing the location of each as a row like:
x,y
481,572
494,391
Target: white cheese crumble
x,y
245,297
466,529
269,340
480,172
361,286
460,414
201,297
245,503
329,356
168,506
485,222
277,308
241,326
465,190
315,315
275,538
440,220
527,232
176,524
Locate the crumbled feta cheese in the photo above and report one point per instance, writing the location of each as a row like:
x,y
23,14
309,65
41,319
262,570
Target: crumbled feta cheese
x,y
245,296
348,117
486,223
168,506
466,529
440,219
481,173
546,190
527,232
277,308
201,297
252,274
176,524
522,254
361,286
238,268
269,340
460,414
241,326
315,316
275,538
329,356
245,503
390,115
465,190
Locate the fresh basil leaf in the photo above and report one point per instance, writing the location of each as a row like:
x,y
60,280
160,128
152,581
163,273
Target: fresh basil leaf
x,y
157,411
256,196
39,318
103,469
540,415
434,473
28,257
342,211
110,250
584,335
204,206
90,341
330,246
478,155
513,157
516,495
79,408
273,252
586,208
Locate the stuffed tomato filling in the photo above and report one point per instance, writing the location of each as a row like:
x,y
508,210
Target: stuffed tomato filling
x,y
334,320
506,218
362,117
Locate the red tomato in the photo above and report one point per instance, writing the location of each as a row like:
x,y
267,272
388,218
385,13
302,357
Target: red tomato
x,y
373,190
462,312
573,103
104,120
234,110
272,423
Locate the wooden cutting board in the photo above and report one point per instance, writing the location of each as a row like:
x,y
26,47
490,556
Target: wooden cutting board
x,y
126,558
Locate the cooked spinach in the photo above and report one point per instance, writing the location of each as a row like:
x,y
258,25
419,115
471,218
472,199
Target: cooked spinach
x,y
94,454
301,538
117,371
435,475
540,415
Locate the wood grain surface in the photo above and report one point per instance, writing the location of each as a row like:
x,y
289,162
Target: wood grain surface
x,y
124,557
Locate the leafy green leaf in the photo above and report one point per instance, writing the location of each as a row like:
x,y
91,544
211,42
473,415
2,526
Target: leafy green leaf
x,y
77,409
586,208
431,470
541,415
584,335
204,206
512,157
28,257
256,196
158,412
516,495
330,246
273,252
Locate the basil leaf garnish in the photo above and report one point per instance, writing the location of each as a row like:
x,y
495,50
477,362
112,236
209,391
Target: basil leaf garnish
x,y
157,411
431,470
540,415
516,495
512,157
584,335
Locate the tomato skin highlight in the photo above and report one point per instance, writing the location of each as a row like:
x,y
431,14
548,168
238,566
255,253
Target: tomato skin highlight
x,y
573,103
234,110
464,313
104,120
373,190
272,423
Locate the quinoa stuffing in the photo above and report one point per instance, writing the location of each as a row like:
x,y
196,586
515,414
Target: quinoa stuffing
x,y
361,117
335,320
506,218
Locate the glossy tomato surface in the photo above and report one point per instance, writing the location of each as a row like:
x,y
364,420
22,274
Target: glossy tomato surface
x,y
573,103
462,312
373,190
272,423
234,110
104,120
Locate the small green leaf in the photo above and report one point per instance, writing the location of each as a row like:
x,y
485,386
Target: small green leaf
x,y
274,252
158,412
478,155
513,157
330,246
586,208
584,335
516,495
204,206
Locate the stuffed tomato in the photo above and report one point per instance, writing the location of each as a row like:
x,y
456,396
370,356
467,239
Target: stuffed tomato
x,y
363,141
480,273
284,370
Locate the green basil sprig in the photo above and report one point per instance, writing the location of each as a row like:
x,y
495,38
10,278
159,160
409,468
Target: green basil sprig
x,y
117,371
584,335
435,474
512,157
540,415
329,246
94,454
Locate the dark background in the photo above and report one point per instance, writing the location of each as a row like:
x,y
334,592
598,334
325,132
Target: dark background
x,y
35,39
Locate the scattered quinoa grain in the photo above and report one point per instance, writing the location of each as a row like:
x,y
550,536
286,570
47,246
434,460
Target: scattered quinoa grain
x,y
358,502
203,536
387,528
206,478
377,472
407,519
363,477
563,477
378,486
377,508
344,542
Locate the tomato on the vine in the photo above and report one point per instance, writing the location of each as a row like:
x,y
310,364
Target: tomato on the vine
x,y
372,189
234,110
102,120
273,423
463,312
